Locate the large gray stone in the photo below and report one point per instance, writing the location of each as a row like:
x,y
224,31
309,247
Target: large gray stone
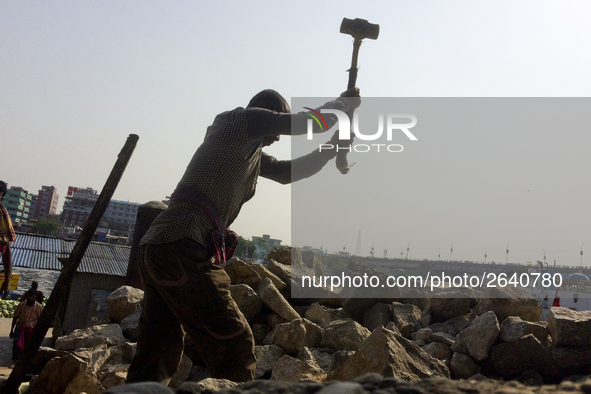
x,y
260,331
320,356
451,302
207,385
141,388
406,317
514,328
113,376
480,335
508,301
42,357
130,324
128,350
343,388
247,300
356,301
123,302
569,328
415,296
241,273
344,335
572,357
273,299
511,359
378,315
282,271
266,356
340,357
443,338
390,354
452,326
265,273
438,350
321,315
100,356
463,366
392,327
291,369
295,335
108,334
68,374
423,334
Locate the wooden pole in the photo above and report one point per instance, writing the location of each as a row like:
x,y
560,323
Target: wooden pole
x,y
69,269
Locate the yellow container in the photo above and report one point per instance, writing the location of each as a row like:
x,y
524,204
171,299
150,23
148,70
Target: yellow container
x,y
13,281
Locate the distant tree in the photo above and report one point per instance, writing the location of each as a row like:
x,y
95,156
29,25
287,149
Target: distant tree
x,y
245,248
48,225
262,248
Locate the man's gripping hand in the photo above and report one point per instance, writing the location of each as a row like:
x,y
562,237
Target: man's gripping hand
x,y
352,98
353,92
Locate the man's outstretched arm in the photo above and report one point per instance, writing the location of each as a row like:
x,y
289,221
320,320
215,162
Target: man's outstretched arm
x,y
287,171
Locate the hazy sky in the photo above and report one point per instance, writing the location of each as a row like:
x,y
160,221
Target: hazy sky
x,y
77,77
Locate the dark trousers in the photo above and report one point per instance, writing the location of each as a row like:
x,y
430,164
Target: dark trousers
x,y
16,352
184,292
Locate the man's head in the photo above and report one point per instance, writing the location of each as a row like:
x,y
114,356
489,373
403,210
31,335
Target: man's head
x,y
31,296
271,100
3,189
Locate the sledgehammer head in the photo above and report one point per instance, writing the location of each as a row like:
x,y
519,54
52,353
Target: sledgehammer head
x,y
360,28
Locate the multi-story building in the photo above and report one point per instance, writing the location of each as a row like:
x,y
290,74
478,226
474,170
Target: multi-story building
x,y
78,205
121,214
46,202
119,218
33,206
18,204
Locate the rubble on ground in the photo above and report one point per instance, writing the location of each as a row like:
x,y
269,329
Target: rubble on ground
x,y
459,342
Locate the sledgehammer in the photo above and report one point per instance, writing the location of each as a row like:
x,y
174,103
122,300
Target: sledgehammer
x,y
358,29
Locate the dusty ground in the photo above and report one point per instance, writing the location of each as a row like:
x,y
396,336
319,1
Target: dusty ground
x,y
6,347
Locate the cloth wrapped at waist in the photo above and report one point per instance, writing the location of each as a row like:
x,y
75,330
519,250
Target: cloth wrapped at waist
x,y
221,241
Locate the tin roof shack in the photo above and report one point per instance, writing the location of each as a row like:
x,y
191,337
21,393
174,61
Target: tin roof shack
x,y
101,271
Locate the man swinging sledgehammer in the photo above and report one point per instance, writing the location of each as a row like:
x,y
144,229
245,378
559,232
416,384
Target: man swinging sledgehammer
x,y
182,255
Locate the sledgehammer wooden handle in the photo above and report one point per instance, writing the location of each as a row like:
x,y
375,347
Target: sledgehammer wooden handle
x,y
358,29
341,161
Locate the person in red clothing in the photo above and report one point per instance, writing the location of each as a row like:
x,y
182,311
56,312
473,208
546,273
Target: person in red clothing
x,y
25,318
556,299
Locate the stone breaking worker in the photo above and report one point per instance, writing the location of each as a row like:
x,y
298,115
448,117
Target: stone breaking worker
x,y
181,256
6,237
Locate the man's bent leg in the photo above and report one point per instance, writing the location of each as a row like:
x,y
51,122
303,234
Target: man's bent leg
x,y
226,358
160,337
210,316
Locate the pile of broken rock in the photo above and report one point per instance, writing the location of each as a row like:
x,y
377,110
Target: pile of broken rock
x,y
452,340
